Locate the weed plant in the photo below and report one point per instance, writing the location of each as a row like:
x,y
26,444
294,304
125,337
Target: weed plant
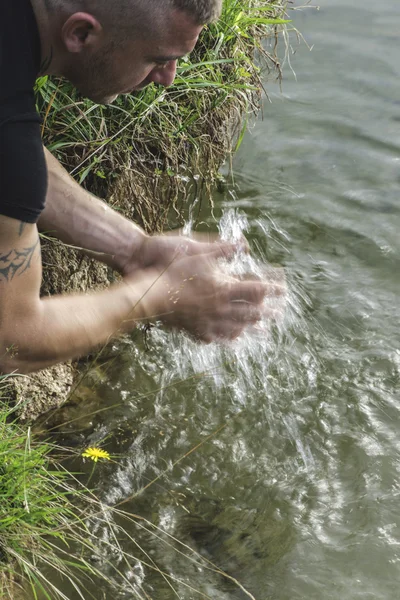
x,y
45,521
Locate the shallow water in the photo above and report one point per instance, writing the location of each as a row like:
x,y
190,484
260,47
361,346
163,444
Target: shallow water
x,y
296,491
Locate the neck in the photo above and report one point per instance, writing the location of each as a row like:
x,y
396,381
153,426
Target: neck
x,y
47,26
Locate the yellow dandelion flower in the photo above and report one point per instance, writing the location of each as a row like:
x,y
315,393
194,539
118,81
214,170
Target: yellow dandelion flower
x,y
96,454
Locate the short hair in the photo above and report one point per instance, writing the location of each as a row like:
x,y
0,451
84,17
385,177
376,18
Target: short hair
x,y
202,11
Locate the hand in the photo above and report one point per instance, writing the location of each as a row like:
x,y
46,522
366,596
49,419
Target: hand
x,y
159,251
191,293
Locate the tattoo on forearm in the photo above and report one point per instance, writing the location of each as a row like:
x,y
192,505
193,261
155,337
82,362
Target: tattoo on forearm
x,y
16,262
46,62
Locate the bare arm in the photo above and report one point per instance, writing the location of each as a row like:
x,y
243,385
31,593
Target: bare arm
x,y
78,218
35,332
190,293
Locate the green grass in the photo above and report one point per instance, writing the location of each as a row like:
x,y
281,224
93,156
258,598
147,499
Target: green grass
x,y
152,140
58,541
35,514
47,533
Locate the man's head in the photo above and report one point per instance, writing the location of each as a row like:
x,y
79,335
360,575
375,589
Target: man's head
x,y
109,48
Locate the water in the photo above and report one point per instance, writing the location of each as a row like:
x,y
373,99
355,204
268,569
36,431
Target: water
x,y
295,487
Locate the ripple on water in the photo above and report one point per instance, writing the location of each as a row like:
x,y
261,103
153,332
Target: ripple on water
x,y
296,491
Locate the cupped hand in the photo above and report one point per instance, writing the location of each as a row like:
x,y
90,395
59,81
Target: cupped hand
x,y
190,292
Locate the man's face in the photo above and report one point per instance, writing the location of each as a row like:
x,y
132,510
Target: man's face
x,y
104,74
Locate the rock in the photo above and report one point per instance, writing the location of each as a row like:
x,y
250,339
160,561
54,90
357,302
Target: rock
x,y
37,393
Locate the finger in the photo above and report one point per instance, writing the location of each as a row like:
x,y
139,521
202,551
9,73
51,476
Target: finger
x,y
206,236
208,241
243,312
222,333
234,321
228,250
275,275
255,287
251,292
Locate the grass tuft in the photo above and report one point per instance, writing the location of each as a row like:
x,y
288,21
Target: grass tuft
x,y
147,147
35,514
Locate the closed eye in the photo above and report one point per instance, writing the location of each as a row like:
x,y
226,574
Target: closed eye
x,y
164,60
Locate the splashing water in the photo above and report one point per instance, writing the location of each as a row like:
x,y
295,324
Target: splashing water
x,y
198,390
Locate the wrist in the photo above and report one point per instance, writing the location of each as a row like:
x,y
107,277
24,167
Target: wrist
x,y
128,258
149,301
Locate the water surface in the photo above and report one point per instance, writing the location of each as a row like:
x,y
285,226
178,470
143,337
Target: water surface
x,y
298,494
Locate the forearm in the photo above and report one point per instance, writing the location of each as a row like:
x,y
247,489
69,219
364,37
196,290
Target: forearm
x,y
77,218
61,328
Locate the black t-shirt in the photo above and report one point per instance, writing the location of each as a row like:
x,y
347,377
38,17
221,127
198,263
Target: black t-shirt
x,y
23,173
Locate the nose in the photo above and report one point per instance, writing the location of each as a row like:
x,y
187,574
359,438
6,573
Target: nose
x,y
164,75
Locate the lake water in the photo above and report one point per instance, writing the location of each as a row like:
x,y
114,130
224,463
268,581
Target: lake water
x,y
296,491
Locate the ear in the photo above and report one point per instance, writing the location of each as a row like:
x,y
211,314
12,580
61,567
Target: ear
x,y
80,31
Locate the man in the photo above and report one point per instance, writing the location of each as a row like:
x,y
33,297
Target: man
x,y
105,49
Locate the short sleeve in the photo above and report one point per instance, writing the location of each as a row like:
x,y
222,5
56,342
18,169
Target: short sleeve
x,y
23,171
